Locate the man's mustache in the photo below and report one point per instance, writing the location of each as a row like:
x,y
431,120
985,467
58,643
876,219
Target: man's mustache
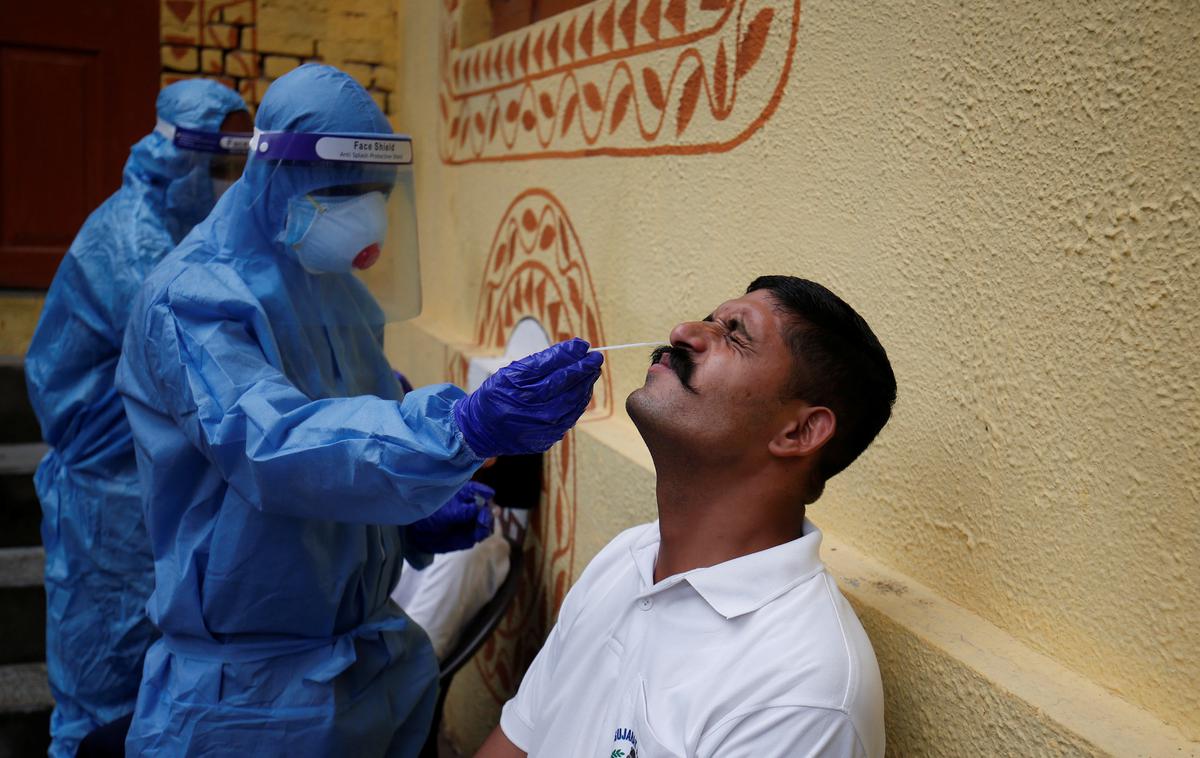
x,y
681,363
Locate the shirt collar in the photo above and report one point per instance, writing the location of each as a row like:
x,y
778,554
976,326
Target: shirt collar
x,y
741,585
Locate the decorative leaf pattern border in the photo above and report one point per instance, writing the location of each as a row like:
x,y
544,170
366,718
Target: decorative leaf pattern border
x,y
616,77
536,267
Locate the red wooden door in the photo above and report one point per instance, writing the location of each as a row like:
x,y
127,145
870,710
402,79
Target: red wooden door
x,y
78,80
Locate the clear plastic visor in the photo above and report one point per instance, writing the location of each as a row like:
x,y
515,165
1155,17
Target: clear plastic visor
x,y
225,151
348,211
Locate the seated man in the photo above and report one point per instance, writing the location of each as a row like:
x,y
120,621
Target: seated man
x,y
717,631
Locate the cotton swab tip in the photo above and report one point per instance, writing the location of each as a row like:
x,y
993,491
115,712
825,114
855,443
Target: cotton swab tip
x,y
622,347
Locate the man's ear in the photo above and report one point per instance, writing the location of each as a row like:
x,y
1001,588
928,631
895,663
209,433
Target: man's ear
x,y
805,433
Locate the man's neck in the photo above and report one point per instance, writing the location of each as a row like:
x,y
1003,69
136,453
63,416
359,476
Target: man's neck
x,y
712,514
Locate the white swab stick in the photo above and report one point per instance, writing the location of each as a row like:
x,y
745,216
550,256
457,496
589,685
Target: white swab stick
x,y
622,347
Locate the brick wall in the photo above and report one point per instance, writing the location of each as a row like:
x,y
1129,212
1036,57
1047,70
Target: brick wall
x,y
247,44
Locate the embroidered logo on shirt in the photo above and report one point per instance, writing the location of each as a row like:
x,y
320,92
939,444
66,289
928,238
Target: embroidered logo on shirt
x,y
624,744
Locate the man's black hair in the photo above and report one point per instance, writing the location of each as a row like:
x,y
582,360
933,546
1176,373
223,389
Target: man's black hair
x,y
839,364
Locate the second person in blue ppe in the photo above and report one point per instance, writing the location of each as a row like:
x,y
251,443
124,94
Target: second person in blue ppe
x,y
281,458
99,569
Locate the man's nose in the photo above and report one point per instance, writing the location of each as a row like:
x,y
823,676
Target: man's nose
x,y
693,335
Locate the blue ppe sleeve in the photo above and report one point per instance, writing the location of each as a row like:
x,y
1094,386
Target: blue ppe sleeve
x,y
458,524
355,459
530,404
71,360
73,356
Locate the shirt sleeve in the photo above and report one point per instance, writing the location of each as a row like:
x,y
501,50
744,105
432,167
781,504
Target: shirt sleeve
x,y
518,719
788,730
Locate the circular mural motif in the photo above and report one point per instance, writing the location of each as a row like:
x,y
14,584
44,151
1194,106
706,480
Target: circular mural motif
x,y
536,267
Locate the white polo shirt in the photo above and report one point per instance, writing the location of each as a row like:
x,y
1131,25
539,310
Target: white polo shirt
x,y
758,656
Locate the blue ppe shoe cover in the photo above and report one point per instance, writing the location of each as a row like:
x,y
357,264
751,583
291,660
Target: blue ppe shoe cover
x,y
98,562
530,404
280,460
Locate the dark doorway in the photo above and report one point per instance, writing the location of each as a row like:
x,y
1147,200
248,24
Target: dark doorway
x,y
78,80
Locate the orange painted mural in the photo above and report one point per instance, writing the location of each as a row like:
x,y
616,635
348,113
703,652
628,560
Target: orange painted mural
x,y
536,267
616,77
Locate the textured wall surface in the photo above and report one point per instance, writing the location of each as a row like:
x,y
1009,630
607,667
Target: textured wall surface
x,y
1031,212
957,685
19,313
1010,196
247,44
951,711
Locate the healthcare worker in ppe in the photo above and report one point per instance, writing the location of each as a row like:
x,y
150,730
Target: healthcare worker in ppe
x,y
99,569
280,457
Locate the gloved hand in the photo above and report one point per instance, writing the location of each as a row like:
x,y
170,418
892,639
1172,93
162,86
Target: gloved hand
x,y
530,404
457,525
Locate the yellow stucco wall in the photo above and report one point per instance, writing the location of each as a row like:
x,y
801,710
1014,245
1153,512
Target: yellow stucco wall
x,y
1009,195
19,313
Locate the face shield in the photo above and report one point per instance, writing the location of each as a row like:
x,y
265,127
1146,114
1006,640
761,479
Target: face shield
x,y
218,158
348,207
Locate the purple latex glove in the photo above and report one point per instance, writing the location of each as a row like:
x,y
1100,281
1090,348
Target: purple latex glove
x,y
457,525
530,404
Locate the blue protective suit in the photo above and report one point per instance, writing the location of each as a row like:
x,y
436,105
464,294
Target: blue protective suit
x,y
98,562
278,463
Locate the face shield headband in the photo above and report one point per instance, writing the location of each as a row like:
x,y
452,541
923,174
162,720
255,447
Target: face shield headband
x,y
221,143
350,210
386,149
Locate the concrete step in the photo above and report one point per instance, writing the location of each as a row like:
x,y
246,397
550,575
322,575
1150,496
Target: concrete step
x,y
22,606
25,705
21,457
17,422
20,512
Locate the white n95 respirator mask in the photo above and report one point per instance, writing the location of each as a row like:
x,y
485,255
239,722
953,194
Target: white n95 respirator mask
x,y
334,234
342,203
